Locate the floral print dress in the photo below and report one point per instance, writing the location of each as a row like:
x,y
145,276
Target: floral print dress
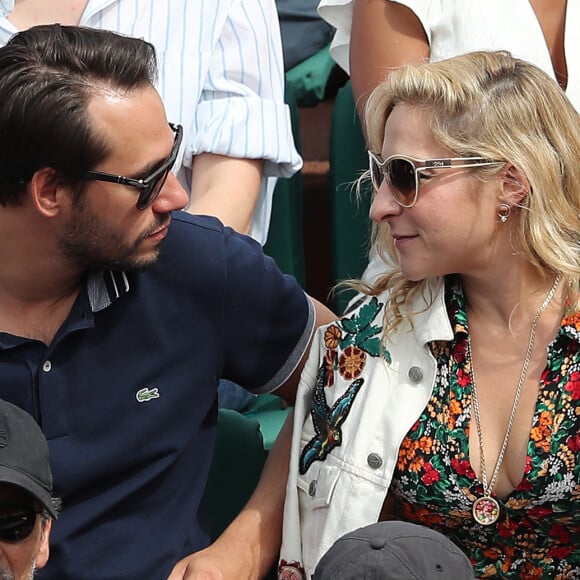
x,y
434,484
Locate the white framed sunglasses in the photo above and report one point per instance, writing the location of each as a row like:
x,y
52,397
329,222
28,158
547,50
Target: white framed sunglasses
x,y
402,172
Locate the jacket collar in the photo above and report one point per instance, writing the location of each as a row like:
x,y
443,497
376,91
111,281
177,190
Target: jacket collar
x,y
431,320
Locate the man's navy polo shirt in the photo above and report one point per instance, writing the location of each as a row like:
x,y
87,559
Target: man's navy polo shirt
x,y
126,394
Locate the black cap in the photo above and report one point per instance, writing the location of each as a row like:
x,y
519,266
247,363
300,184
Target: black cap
x,y
24,455
394,550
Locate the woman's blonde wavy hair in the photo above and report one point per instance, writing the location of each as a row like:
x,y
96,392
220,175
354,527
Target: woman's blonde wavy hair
x,y
489,104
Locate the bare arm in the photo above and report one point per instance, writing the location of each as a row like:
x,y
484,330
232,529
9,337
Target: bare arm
x,y
249,546
255,535
241,122
384,35
226,188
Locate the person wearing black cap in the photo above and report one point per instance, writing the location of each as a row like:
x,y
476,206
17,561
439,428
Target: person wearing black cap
x,y
27,507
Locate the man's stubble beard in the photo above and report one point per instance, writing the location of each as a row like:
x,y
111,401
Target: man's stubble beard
x,y
92,244
6,574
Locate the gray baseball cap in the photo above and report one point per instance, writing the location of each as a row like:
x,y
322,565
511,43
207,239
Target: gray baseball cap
x,y
24,455
394,550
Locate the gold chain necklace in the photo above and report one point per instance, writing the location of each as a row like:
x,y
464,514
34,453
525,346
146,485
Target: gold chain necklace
x,y
486,509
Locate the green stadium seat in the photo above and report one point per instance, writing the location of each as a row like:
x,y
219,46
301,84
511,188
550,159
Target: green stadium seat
x,y
349,219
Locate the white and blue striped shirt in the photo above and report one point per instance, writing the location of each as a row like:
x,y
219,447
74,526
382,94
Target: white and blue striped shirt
x,y
221,76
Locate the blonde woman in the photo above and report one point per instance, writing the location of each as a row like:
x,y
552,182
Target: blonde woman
x,y
450,397
375,36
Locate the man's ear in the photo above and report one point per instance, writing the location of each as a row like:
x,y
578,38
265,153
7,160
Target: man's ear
x,y
43,548
46,191
515,186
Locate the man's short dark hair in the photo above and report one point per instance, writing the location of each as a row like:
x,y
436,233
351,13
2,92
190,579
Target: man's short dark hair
x,y
47,76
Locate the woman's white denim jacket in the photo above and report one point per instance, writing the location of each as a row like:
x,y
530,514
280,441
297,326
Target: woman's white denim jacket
x,y
365,394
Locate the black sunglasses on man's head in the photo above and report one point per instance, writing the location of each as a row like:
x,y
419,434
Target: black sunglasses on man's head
x,y
16,522
149,187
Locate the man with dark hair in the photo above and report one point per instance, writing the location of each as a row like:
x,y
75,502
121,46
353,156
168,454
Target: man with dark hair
x,y
117,326
27,507
220,76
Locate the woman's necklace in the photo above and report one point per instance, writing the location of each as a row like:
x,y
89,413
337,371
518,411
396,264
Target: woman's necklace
x,y
486,509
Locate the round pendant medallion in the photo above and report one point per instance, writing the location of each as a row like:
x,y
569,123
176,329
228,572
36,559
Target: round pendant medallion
x,y
486,511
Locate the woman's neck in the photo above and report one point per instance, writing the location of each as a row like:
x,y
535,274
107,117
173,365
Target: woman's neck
x,y
511,299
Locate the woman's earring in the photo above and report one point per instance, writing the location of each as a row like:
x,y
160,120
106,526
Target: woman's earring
x,y
503,213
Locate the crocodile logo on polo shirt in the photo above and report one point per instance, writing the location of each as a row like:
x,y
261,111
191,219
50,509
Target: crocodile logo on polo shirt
x,y
146,394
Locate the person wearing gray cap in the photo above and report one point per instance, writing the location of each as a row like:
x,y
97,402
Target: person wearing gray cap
x,y
394,551
27,507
